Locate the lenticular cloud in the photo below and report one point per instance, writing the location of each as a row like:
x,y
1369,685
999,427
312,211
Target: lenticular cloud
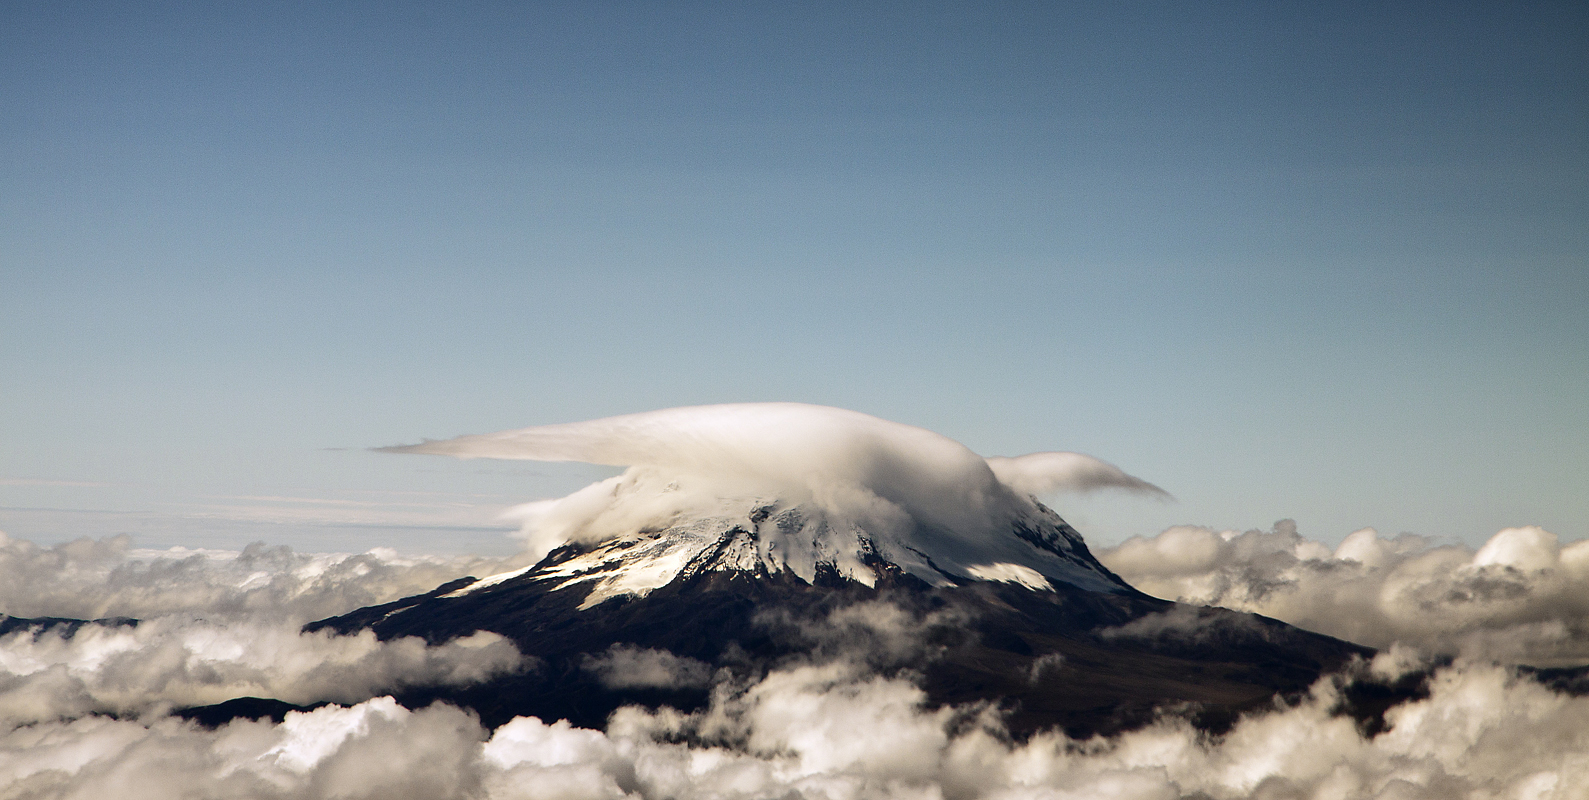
x,y
855,468
782,447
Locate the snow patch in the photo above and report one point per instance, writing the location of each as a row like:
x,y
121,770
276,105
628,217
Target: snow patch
x,y
1011,573
492,580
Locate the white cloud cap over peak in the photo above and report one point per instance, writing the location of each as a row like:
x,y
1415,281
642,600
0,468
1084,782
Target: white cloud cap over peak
x,y
861,481
787,443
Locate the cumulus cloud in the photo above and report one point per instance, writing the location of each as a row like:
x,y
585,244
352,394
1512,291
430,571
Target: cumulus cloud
x,y
376,749
625,666
827,727
828,732
212,626
878,634
1522,597
170,662
95,578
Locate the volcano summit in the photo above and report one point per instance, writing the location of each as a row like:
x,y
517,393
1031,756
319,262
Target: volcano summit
x,y
744,539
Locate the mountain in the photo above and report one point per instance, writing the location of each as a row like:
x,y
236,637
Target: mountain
x,y
1047,634
745,539
62,626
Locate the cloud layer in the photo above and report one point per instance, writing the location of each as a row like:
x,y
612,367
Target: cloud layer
x,y
1520,598
213,626
94,578
825,732
829,727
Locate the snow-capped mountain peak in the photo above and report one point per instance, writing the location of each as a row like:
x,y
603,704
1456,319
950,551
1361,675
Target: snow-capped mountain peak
x,y
803,542
770,488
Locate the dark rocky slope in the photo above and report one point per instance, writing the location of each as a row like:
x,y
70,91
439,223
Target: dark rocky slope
x,y
1089,662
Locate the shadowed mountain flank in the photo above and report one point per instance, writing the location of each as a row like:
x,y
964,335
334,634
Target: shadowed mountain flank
x,y
1042,653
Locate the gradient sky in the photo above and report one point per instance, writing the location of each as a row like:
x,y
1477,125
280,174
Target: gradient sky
x,y
1321,261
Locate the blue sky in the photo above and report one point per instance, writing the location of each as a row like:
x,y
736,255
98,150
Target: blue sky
x,y
1319,261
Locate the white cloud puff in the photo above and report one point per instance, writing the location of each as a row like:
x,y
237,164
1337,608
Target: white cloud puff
x,y
1522,597
95,578
376,749
247,642
625,666
170,662
878,633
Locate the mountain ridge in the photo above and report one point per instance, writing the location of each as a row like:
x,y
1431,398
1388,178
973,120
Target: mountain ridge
x,y
646,559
